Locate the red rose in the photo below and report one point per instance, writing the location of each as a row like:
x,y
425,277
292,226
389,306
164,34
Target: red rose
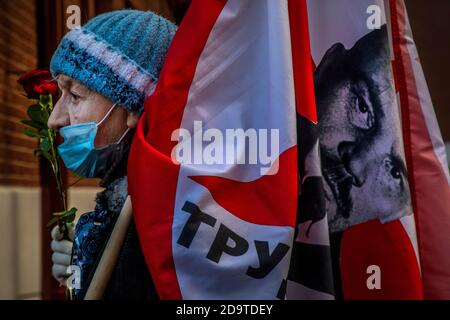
x,y
38,82
46,88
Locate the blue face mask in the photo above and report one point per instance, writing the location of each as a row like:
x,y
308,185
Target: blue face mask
x,y
78,149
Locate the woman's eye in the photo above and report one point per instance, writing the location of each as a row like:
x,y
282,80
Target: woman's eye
x,y
74,96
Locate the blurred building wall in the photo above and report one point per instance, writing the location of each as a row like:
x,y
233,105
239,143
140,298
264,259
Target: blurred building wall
x,y
18,54
20,238
19,174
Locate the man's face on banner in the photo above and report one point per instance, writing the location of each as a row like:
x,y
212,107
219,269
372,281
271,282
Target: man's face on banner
x,y
359,134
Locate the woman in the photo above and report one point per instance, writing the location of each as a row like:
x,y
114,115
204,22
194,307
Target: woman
x,y
105,70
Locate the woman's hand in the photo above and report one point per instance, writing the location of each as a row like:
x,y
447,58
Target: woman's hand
x,y
62,253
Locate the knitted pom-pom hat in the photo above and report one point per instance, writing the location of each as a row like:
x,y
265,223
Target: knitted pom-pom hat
x,y
118,54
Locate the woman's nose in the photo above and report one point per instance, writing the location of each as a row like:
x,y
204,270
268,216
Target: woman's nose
x,y
58,118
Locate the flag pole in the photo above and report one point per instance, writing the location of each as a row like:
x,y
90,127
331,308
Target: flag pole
x,y
110,254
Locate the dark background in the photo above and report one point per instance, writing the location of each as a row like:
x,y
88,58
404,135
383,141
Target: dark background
x,y
430,22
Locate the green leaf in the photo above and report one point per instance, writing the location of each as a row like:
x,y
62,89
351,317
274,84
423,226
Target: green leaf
x,y
58,214
33,124
38,114
52,221
46,115
31,133
69,216
44,101
45,145
44,133
63,217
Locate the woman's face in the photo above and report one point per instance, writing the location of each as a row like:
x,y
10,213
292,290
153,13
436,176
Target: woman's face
x,y
78,104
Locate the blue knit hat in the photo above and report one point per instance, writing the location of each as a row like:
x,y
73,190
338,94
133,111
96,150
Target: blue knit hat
x,y
118,54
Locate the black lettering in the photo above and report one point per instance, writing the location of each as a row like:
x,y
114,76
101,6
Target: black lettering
x,y
190,229
220,246
267,261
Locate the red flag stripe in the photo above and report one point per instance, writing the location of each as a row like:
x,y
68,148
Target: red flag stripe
x,y
388,247
429,186
301,60
150,168
247,200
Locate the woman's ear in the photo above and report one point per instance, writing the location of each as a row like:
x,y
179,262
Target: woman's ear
x,y
132,120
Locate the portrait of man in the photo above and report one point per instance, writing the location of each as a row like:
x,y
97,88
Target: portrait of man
x,y
360,135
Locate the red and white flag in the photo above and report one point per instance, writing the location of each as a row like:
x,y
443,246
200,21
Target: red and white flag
x,y
276,159
220,224
425,156
383,158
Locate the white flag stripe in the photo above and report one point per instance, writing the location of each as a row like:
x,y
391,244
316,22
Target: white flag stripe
x,y
248,52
